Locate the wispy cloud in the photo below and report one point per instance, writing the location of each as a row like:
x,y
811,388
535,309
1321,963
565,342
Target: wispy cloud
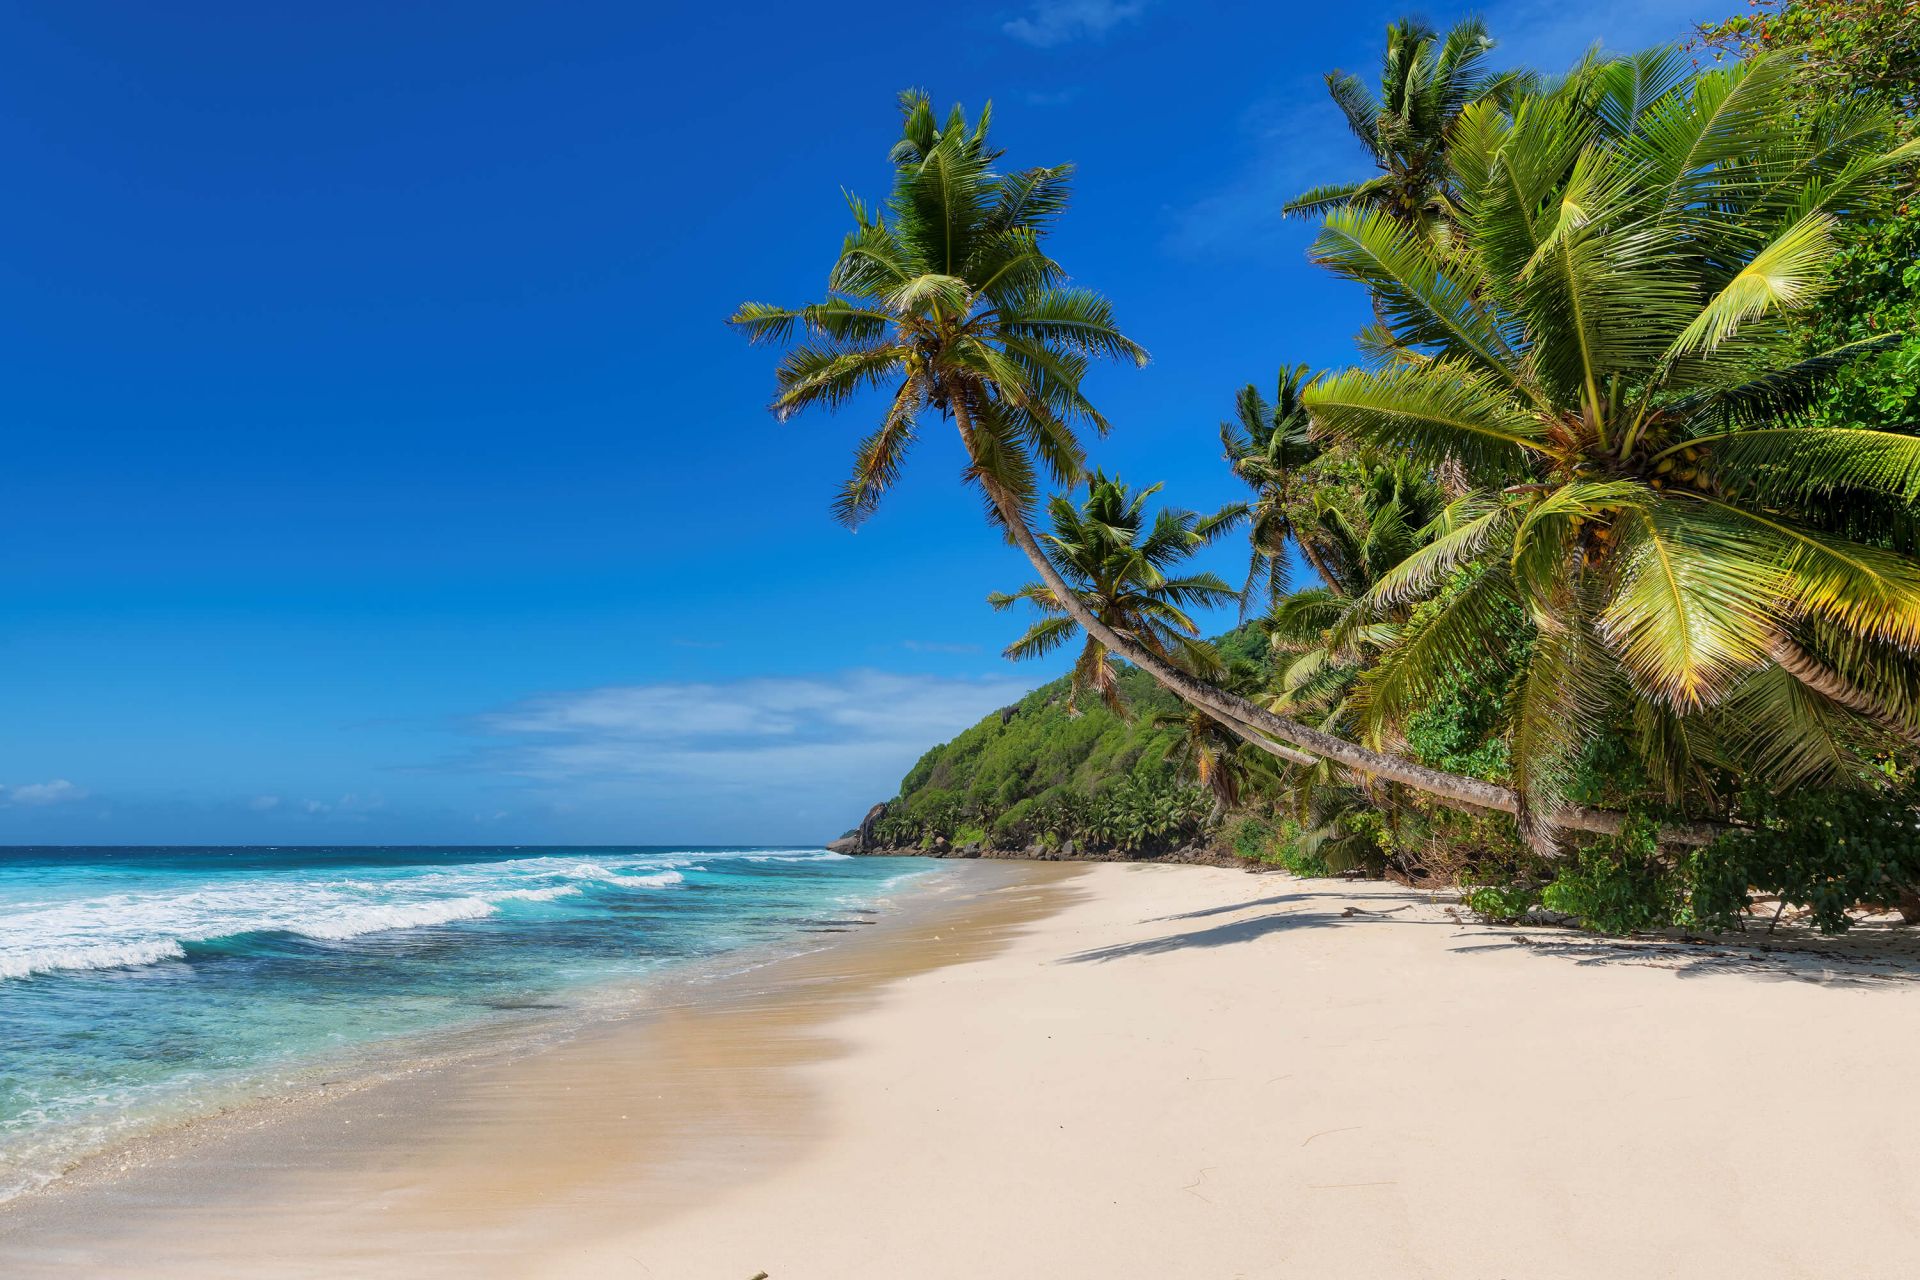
x,y
938,646
352,807
1054,22
1551,34
1298,141
34,794
1292,148
858,728
1052,97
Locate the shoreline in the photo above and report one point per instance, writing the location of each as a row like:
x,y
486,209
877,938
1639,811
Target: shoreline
x,y
62,1159
1120,1070
146,1202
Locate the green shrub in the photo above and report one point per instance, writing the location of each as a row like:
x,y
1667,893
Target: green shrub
x,y
1278,844
1501,903
1618,885
1251,838
1306,865
1825,849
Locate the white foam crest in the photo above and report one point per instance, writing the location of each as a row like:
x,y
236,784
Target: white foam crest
x,y
537,895
594,871
123,930
799,855
359,921
106,955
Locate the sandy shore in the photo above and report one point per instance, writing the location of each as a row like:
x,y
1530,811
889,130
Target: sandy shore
x,y
1112,1071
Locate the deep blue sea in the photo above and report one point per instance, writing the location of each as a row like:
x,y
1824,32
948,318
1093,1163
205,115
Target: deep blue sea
x,y
143,984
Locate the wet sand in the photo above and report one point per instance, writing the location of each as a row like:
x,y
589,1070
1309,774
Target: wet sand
x,y
477,1167
1112,1071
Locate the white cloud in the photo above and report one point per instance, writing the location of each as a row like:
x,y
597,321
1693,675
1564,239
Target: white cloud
x,y
351,807
57,791
858,727
262,804
1053,22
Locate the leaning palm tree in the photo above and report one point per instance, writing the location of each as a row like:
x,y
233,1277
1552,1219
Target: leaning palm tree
x,y
1116,563
947,302
1603,350
1426,81
1266,448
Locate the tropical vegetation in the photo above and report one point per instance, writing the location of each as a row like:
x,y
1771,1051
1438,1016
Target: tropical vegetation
x,y
1115,562
1614,517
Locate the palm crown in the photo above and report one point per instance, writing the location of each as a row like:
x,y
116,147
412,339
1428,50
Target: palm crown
x,y
1603,351
1266,447
1426,81
946,301
1322,634
1116,562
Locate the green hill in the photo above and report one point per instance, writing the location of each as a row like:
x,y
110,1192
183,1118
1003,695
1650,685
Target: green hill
x,y
1038,773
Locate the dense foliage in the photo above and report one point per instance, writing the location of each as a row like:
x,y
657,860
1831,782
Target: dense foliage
x,y
1046,772
1615,517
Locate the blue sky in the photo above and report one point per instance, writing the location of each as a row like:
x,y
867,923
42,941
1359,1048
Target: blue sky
x,y
378,467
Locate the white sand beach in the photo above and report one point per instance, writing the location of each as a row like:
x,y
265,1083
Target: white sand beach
x,y
1113,1071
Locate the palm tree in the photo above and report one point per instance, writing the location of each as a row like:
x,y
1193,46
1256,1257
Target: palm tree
x,y
1116,563
1425,83
1220,759
1266,449
1603,351
948,300
1322,636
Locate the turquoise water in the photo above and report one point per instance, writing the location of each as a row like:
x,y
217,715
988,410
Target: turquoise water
x,y
140,984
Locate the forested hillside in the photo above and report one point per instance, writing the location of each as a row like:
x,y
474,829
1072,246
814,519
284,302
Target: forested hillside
x,y
1045,771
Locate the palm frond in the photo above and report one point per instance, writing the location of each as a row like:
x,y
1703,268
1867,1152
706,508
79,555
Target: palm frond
x,y
1444,410
1692,609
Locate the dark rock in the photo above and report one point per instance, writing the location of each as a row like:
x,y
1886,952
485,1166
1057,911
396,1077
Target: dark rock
x,y
867,824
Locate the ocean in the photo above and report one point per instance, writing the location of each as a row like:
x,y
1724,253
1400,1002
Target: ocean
x,y
142,986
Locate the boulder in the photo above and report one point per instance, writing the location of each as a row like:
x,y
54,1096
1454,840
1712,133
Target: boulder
x,y
865,835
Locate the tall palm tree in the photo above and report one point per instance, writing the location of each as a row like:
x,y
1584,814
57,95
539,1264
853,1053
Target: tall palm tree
x,y
1266,448
1116,562
1426,81
1603,351
947,300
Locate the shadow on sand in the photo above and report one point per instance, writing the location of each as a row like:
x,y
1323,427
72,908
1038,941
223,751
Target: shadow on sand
x,y
1226,935
1865,958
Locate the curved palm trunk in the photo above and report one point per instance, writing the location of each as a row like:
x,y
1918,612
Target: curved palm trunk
x,y
1450,788
1834,687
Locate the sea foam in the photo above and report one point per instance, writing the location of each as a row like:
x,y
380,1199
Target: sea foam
x,y
130,930
594,871
106,955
